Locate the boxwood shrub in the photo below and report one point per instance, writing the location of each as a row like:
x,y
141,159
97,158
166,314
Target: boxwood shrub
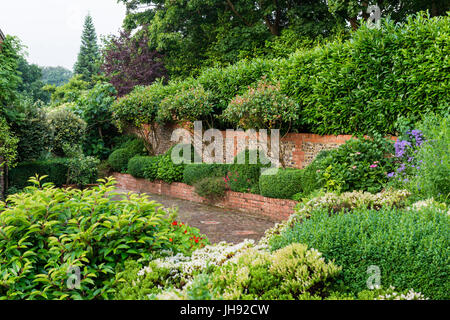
x,y
198,171
281,183
138,166
409,247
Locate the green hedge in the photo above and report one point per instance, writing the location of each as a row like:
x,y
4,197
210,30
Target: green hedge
x,y
138,165
366,83
282,184
409,247
199,171
118,159
358,85
55,169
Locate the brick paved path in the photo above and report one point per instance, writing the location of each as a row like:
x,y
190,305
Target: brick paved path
x,y
218,224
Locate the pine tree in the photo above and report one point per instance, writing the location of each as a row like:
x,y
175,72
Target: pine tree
x,y
87,64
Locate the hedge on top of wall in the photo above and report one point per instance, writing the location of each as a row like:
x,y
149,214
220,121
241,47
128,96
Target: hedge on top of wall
x,y
360,85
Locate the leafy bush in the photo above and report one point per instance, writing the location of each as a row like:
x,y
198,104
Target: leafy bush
x,y
138,165
263,107
359,164
135,146
191,104
366,83
83,170
243,175
310,181
410,247
211,188
151,169
168,171
280,183
294,272
198,171
118,160
34,133
54,231
68,128
55,169
8,144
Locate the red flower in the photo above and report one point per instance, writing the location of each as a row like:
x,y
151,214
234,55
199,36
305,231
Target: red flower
x,y
170,239
174,223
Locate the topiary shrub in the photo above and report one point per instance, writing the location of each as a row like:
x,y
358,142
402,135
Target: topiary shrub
x,y
61,238
211,188
138,165
151,169
198,171
280,183
409,247
68,128
118,160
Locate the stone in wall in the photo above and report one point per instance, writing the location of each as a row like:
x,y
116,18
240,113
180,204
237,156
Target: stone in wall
x,y
311,150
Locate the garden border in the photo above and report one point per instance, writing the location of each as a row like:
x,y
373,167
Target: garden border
x,y
274,209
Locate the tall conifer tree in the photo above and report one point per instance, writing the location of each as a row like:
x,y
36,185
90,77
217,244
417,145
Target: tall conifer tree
x,y
87,64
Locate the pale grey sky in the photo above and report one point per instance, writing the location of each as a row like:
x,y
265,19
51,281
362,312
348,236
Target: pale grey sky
x,y
51,29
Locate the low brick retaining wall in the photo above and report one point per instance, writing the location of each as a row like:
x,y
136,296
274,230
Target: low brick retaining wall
x,y
275,209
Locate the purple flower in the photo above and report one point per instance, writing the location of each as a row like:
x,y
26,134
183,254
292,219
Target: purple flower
x,y
400,148
391,175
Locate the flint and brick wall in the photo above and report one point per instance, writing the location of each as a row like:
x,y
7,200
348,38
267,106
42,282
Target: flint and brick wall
x,y
299,149
274,209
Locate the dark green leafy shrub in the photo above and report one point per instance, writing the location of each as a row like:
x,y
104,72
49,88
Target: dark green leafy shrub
x,y
83,170
168,171
310,181
135,146
118,160
68,129
34,133
56,171
50,233
211,188
280,183
198,171
409,246
151,169
137,166
243,175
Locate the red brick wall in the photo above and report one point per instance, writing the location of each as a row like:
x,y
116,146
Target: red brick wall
x,y
275,209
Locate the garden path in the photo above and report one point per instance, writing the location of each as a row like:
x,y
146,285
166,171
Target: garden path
x,y
217,223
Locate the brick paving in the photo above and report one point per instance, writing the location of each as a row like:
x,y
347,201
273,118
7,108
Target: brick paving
x,y
218,224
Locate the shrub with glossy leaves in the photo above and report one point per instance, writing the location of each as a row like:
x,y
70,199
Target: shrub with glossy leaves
x,y
46,233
